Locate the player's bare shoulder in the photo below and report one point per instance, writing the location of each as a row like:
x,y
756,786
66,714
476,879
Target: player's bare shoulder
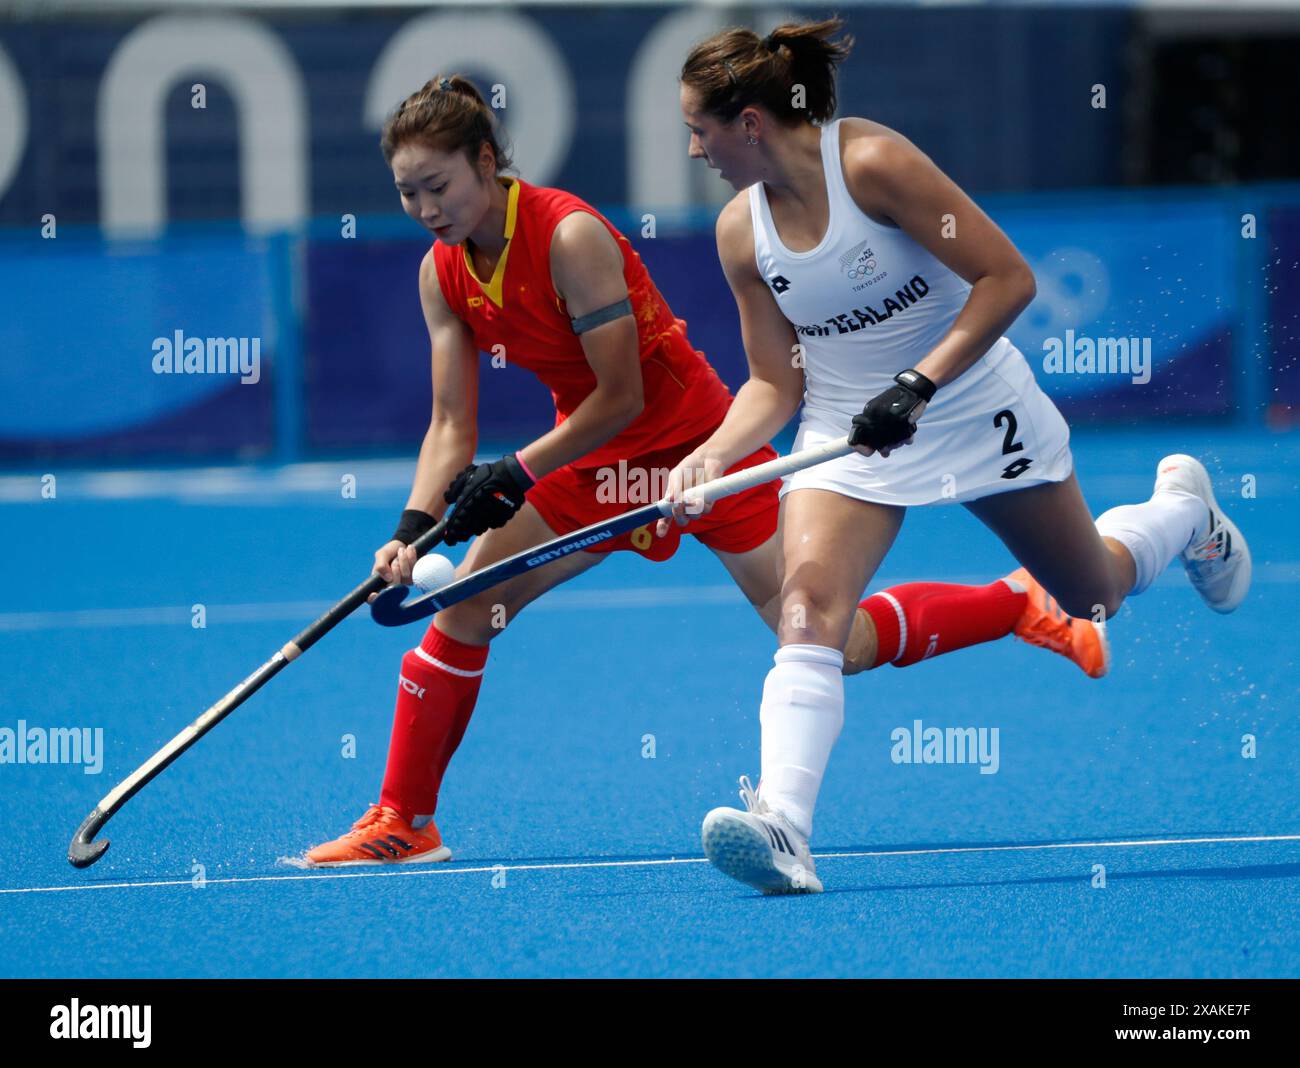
x,y
430,289
578,237
874,157
578,226
584,257
437,312
734,233
867,143
434,304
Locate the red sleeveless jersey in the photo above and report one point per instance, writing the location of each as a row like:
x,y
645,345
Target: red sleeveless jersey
x,y
520,309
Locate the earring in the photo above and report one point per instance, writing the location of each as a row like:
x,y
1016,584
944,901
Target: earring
x,y
753,140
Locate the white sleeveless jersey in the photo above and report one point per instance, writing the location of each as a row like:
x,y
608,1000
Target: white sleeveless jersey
x,y
866,303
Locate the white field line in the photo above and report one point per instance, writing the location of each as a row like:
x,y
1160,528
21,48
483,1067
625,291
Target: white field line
x,y
216,485
413,870
304,612
390,478
387,481
1281,573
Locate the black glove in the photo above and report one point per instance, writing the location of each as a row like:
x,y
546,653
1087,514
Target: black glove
x,y
890,419
486,496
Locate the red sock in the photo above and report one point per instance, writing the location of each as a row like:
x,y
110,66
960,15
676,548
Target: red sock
x,y
435,699
920,620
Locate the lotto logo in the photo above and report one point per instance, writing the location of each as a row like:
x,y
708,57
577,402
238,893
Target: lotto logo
x,y
1016,468
779,284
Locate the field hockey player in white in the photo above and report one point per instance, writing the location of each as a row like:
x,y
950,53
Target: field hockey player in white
x,y
847,246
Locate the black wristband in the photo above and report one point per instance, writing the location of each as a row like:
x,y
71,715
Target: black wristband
x,y
522,478
412,524
917,383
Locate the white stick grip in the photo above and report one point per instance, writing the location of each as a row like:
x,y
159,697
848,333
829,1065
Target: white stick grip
x,y
773,469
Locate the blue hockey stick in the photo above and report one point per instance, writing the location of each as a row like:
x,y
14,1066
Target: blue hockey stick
x,y
391,609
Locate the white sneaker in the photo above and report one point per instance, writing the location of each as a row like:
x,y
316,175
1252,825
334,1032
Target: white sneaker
x,y
1219,562
759,847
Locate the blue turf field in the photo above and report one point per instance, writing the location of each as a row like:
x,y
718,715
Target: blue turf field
x,y
931,870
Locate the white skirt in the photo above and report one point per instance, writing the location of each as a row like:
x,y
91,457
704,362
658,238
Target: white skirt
x,y
997,432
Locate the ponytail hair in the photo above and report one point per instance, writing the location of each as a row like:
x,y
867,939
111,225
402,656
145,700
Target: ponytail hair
x,y
446,113
737,67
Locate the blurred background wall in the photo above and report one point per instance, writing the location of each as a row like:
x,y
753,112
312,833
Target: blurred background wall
x,y
213,170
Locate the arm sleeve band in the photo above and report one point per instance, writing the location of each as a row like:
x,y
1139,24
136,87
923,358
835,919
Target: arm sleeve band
x,y
601,316
413,523
917,383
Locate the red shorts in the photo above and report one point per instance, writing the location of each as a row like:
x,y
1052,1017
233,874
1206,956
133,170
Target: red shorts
x,y
569,498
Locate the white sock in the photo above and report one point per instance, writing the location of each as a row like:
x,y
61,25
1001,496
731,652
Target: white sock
x,y
1156,531
801,717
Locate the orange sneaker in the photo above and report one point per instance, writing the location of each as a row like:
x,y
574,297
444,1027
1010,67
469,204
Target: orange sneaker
x,y
1043,623
381,836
